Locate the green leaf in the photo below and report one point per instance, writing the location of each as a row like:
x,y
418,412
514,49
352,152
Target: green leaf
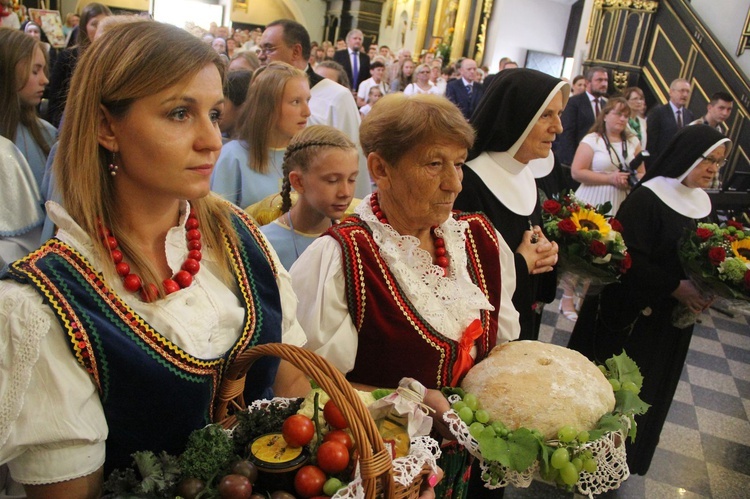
x,y
629,403
608,422
524,449
625,369
545,453
495,449
379,393
604,209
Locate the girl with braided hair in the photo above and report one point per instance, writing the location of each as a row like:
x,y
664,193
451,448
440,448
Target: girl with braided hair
x,y
320,164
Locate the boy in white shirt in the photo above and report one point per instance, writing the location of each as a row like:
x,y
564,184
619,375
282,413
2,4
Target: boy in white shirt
x,y
377,68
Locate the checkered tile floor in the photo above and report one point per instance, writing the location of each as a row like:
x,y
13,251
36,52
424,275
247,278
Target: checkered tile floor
x,y
704,450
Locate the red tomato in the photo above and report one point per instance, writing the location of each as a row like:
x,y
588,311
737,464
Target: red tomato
x,y
333,416
298,430
333,457
235,487
309,481
339,436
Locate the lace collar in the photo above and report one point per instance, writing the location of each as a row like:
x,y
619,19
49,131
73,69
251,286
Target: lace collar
x,y
447,303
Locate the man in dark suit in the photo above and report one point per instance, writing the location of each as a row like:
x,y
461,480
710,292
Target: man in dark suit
x,y
355,62
580,114
664,121
464,92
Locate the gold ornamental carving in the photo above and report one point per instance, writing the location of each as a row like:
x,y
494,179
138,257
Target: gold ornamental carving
x,y
240,5
744,36
620,79
482,35
642,5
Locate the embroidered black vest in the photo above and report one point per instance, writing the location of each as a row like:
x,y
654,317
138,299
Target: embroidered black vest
x,y
153,393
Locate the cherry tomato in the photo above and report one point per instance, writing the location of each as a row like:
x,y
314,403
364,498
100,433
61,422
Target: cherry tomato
x,y
333,416
333,457
189,488
280,494
309,481
339,436
235,487
298,430
246,469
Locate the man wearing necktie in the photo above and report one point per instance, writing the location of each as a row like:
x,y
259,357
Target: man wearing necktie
x,y
664,121
464,92
355,62
580,114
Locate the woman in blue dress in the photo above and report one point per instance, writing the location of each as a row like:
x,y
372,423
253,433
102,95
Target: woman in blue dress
x,y
250,168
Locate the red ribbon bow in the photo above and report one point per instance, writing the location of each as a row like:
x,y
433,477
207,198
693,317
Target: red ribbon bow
x,y
464,360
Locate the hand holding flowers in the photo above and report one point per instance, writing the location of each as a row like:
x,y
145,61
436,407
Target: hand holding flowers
x,y
589,244
717,259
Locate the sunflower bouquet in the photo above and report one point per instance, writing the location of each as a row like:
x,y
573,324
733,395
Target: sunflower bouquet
x,y
716,257
590,243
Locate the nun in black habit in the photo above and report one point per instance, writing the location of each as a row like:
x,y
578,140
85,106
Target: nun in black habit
x,y
635,315
516,122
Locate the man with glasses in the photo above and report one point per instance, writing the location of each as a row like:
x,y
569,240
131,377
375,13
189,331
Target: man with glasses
x,y
666,120
330,103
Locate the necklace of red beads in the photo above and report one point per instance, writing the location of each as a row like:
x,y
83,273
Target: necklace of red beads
x,y
441,255
182,279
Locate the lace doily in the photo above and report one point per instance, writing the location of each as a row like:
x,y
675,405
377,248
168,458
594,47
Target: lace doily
x,y
609,452
449,303
423,451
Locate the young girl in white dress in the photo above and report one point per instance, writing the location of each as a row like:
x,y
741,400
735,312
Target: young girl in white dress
x,y
321,166
373,96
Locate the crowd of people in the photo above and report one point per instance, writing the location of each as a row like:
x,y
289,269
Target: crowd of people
x,y
209,192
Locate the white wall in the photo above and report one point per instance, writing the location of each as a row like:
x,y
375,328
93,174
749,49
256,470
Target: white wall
x,y
726,23
518,26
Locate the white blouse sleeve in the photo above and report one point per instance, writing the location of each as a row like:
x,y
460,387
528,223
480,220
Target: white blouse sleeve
x,y
52,425
508,324
318,280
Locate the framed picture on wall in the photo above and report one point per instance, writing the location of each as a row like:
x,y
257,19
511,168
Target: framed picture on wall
x,y
51,24
552,64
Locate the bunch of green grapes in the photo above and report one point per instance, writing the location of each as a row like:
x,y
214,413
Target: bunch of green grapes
x,y
568,460
494,474
470,412
478,420
617,385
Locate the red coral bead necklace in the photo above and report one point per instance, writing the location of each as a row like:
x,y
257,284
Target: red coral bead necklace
x,y
441,255
182,279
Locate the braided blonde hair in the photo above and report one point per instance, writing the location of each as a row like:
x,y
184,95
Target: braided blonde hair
x,y
302,151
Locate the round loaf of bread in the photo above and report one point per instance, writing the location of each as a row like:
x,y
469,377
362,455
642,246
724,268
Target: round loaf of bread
x,y
540,386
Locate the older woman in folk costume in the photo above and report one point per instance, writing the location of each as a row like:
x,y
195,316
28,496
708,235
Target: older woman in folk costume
x,y
516,122
636,314
118,331
406,287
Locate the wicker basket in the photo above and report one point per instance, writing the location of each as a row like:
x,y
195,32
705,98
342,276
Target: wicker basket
x,y
374,460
